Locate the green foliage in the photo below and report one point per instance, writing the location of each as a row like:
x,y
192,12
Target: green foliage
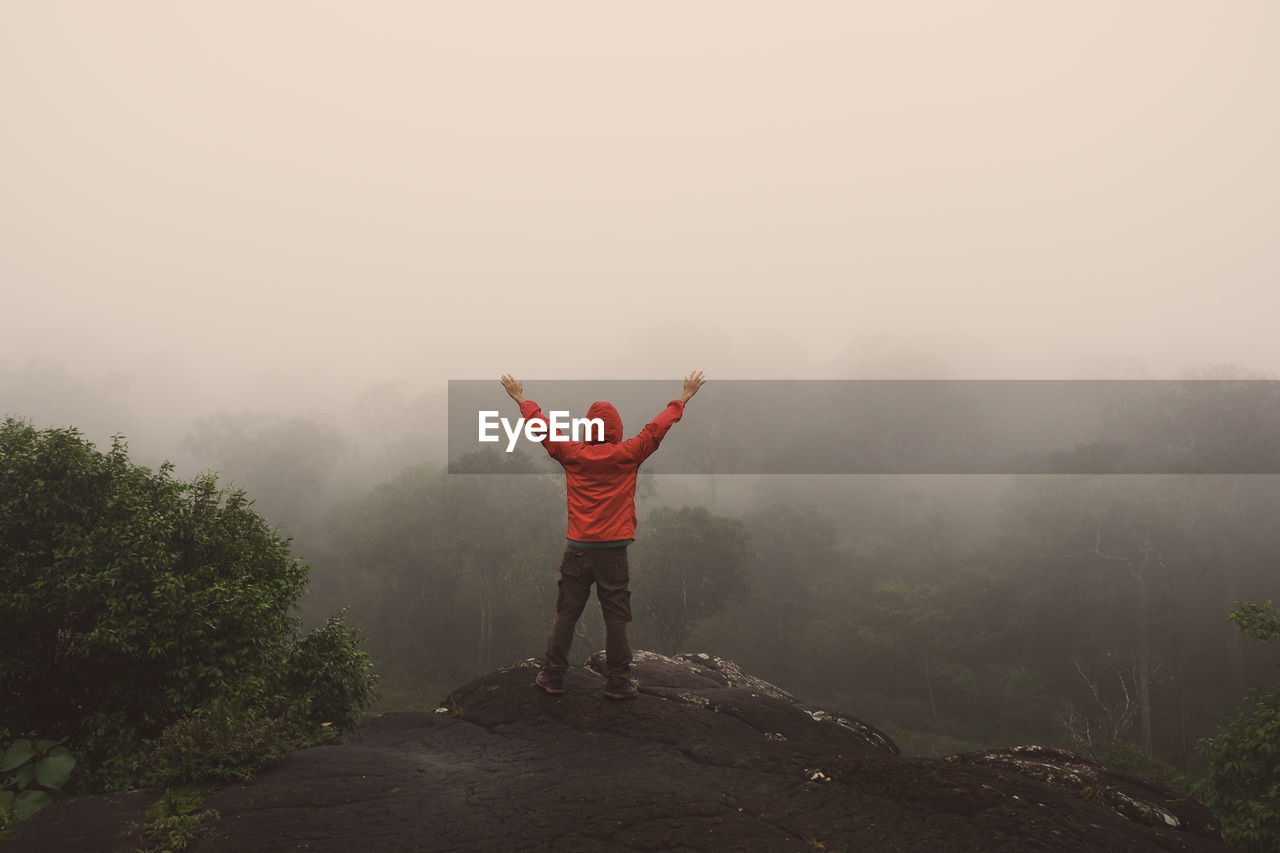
x,y
915,607
1257,620
128,598
223,742
689,565
37,770
912,624
217,743
179,800
175,820
1242,784
174,833
797,585
330,669
452,573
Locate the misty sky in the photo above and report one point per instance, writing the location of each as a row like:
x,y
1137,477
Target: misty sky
x,y
220,198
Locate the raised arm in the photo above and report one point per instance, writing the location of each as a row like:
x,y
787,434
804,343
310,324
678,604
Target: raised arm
x,y
531,411
692,383
514,388
643,445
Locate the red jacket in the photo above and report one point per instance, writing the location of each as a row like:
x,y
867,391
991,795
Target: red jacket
x,y
600,478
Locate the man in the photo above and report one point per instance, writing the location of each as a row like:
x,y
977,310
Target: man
x,y
600,479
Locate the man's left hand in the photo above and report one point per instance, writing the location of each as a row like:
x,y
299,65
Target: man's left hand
x,y
514,388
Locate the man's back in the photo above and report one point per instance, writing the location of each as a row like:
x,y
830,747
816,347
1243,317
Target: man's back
x,y
600,477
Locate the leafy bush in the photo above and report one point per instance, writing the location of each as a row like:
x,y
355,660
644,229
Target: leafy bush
x,y
330,669
216,743
1242,785
173,832
219,742
174,821
128,598
37,770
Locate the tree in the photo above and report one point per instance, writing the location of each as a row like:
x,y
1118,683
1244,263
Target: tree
x,y
502,515
1114,569
1242,785
689,565
913,618
799,598
129,598
452,572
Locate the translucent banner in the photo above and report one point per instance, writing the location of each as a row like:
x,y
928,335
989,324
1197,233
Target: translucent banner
x,y
896,426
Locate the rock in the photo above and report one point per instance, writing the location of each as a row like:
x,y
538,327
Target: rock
x,y
707,758
83,824
1143,802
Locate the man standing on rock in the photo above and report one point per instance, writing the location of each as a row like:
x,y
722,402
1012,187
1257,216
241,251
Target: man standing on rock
x,y
600,478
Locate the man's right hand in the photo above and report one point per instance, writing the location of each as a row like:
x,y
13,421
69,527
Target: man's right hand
x,y
692,383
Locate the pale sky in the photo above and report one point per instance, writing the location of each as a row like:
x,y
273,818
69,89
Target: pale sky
x,y
220,198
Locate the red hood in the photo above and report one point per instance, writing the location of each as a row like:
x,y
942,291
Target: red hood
x,y
612,421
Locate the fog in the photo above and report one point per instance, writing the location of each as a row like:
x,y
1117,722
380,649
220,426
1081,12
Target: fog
x,y
280,203
261,237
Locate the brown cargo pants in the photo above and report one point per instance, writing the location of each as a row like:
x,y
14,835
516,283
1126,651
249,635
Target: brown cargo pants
x,y
607,568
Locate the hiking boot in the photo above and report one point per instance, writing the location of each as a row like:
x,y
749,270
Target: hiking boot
x,y
621,688
552,682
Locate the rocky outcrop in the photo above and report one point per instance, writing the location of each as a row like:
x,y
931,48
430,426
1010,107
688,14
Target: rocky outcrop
x,y
707,758
1143,802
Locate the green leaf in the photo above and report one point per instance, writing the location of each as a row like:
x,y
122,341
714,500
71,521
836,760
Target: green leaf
x,y
29,802
52,771
24,776
6,800
17,755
